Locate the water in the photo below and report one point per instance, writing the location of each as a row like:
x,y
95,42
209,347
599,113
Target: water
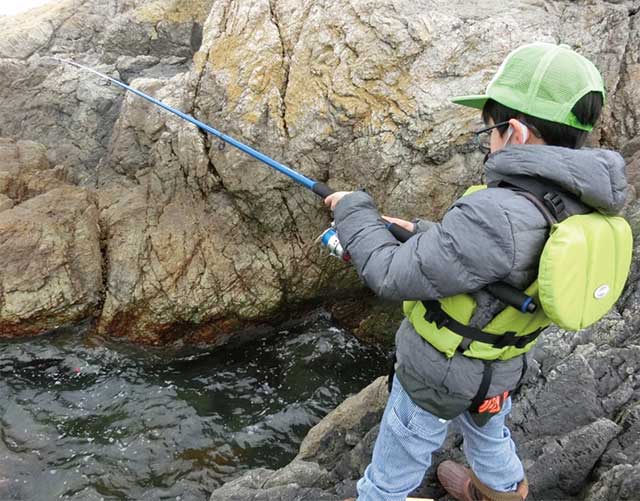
x,y
86,421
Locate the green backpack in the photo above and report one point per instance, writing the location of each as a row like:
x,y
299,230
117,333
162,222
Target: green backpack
x,y
583,266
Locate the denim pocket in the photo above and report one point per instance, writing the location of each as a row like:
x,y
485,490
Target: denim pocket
x,y
404,409
408,419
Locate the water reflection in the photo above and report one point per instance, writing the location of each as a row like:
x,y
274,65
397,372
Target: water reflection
x,y
91,422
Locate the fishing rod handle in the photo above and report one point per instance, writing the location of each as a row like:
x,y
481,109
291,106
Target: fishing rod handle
x,y
321,189
398,232
401,234
512,296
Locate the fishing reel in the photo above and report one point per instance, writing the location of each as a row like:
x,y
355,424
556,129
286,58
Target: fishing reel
x,y
329,239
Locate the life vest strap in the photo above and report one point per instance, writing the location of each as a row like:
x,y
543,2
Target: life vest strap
x,y
483,388
435,314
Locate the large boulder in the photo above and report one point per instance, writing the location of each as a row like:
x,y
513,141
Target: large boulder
x,y
353,97
50,259
199,239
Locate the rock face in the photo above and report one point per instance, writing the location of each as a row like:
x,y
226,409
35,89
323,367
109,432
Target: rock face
x,y
576,423
198,239
201,237
196,233
49,244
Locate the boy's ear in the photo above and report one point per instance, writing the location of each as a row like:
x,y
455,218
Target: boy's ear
x,y
520,133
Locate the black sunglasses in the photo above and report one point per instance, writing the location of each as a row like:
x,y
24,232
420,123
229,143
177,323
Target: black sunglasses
x,y
482,137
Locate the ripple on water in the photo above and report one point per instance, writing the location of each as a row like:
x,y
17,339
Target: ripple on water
x,y
91,422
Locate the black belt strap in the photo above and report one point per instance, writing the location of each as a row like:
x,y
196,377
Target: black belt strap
x,y
550,218
392,372
525,366
483,389
434,313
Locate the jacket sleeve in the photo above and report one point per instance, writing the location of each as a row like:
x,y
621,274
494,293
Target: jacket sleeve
x,y
473,246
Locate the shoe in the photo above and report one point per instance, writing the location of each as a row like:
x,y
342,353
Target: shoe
x,y
456,480
462,484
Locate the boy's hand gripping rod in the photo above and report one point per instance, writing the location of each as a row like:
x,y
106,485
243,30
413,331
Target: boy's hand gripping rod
x,y
506,293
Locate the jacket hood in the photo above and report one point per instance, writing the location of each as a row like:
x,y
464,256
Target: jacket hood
x,y
595,176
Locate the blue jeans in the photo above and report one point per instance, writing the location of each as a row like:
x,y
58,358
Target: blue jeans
x,y
409,435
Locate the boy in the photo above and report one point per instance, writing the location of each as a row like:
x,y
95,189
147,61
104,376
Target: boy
x,y
538,109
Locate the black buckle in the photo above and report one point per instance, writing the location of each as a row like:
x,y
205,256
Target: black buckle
x,y
437,317
555,204
505,340
442,321
510,339
522,341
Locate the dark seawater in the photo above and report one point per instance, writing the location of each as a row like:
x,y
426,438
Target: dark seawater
x,y
85,420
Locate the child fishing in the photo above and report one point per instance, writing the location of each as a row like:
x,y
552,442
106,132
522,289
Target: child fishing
x,y
460,351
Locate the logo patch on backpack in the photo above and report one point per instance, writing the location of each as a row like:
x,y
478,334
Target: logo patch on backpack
x,y
601,291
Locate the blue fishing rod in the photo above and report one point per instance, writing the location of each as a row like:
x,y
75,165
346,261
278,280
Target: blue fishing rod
x,y
506,293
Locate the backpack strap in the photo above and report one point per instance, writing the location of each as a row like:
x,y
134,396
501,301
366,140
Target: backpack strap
x,y
483,387
544,210
548,200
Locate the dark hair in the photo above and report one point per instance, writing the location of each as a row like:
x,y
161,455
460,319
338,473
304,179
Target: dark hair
x,y
587,110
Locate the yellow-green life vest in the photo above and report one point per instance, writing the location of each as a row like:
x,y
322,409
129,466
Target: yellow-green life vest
x,y
597,247
462,307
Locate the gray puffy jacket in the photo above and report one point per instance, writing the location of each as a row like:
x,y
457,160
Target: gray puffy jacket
x,y
491,235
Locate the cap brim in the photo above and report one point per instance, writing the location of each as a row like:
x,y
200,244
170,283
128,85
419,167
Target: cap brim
x,y
477,101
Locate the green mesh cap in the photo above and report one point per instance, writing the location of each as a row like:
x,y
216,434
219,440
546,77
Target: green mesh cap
x,y
542,80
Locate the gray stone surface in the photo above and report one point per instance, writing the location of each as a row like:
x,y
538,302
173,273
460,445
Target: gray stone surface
x,y
72,116
620,483
298,481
